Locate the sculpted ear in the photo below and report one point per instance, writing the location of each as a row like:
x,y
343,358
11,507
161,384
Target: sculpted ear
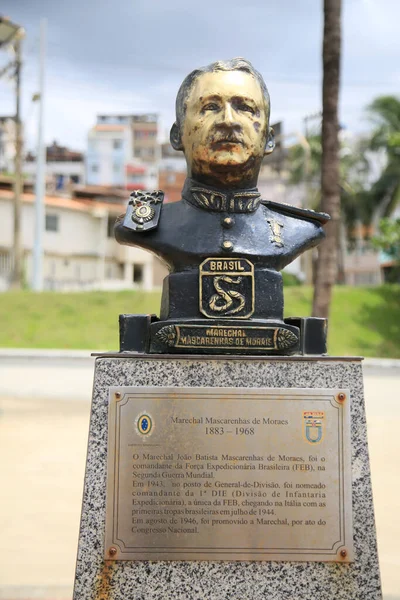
x,y
175,137
270,145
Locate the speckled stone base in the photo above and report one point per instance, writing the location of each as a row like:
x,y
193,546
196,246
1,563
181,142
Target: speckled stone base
x,y
125,580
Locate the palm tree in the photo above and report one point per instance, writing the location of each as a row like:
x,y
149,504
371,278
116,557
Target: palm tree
x,y
305,168
384,194
304,164
330,189
304,161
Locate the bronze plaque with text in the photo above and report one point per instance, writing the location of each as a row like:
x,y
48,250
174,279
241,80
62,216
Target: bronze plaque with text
x,y
229,474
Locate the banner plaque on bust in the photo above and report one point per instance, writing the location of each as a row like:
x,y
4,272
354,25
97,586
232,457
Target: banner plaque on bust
x,y
227,288
229,474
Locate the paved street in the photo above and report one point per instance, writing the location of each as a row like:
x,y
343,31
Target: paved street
x,y
44,414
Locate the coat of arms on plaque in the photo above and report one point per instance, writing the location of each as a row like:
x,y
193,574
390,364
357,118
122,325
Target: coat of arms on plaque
x,y
144,424
313,426
226,288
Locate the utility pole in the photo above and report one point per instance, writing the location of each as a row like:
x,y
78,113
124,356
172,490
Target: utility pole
x,y
37,282
12,34
17,273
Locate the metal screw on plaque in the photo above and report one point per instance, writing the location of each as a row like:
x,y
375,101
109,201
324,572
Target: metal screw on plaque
x,y
112,551
343,553
341,397
118,395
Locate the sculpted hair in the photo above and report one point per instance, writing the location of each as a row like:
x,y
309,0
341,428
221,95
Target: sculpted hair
x,y
235,64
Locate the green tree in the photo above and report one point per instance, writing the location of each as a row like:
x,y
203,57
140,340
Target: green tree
x,y
388,240
384,195
304,163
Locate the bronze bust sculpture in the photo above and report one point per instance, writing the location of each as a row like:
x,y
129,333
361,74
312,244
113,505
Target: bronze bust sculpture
x,y
223,244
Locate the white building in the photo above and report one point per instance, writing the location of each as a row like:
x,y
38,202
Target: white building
x,y
117,152
64,168
60,175
80,251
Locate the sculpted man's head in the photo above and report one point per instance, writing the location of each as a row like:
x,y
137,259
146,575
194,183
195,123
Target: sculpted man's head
x,y
222,123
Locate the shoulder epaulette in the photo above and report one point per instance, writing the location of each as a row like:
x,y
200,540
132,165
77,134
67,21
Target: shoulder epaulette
x,y
299,213
143,210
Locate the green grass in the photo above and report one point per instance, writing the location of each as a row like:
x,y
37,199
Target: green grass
x,y
364,321
68,320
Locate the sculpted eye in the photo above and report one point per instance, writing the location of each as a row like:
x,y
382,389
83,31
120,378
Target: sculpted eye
x,y
245,107
210,106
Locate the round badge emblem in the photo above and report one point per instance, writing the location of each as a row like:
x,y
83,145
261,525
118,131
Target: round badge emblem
x,y
144,424
143,213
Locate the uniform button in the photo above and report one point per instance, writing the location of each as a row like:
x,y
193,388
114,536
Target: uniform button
x,y
227,245
228,222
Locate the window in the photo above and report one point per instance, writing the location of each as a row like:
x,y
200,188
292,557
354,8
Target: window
x,y
110,227
117,144
52,223
95,168
137,273
116,167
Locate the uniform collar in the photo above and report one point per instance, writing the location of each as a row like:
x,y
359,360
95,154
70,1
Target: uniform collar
x,y
207,198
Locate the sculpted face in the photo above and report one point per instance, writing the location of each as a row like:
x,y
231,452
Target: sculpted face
x,y
225,129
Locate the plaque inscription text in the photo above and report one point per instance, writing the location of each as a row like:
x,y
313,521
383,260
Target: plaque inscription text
x,y
228,474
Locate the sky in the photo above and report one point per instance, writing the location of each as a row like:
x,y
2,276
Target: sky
x,y
130,56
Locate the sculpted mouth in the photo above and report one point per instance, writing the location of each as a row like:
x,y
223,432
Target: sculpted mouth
x,y
227,141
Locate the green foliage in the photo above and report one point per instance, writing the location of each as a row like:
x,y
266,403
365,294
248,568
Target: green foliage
x,y
361,200
364,321
305,167
388,239
384,113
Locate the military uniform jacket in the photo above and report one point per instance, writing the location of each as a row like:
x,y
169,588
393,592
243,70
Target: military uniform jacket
x,y
210,223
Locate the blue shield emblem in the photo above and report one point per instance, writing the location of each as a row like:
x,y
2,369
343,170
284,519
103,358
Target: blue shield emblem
x,y
313,426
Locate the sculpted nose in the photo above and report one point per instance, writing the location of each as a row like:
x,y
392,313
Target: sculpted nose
x,y
228,116
227,119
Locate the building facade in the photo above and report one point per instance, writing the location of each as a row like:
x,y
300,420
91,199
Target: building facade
x,y
172,173
64,168
144,134
80,252
122,152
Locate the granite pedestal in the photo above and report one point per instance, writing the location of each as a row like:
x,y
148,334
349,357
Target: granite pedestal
x,y
97,579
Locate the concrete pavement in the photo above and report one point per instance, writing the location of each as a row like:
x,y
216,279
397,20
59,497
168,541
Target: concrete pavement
x,y
44,415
